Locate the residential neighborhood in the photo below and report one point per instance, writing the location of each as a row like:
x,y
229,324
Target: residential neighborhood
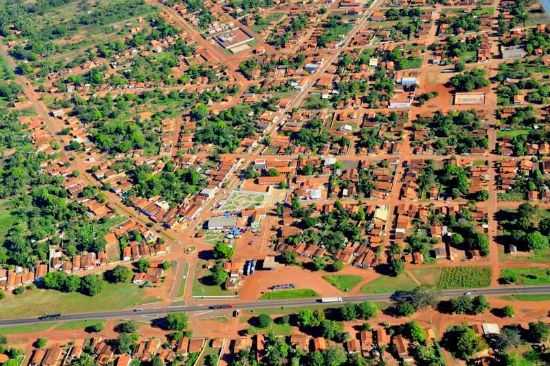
x,y
278,182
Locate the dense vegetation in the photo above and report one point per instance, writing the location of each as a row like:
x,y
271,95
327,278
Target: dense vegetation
x,y
458,130
172,184
332,230
528,227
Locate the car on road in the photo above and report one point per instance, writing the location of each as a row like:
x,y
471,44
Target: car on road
x,y
221,306
401,296
50,316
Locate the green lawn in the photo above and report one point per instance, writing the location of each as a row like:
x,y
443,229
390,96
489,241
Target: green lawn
x,y
529,276
39,302
343,282
386,284
289,294
464,277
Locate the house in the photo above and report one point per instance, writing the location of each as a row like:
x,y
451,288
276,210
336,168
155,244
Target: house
x,y
319,344
300,341
52,357
353,346
124,360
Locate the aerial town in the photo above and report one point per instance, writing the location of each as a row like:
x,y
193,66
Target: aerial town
x,y
274,182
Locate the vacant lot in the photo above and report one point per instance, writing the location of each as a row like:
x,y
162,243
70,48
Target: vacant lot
x,y
343,282
528,276
464,277
289,294
39,302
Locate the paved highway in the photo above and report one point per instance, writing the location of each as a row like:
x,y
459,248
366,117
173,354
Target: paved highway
x,y
161,311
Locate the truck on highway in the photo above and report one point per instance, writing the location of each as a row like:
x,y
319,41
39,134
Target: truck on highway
x,y
50,316
325,300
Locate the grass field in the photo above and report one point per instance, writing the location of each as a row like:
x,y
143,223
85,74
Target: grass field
x,y
343,282
464,277
274,328
512,133
78,324
27,328
426,276
212,236
39,302
542,297
385,284
289,294
529,276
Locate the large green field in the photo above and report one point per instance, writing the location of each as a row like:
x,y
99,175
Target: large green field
x,y
343,282
39,302
440,278
464,277
386,284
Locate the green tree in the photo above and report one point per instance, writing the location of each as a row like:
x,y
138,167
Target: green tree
x,y
335,266
94,328
176,321
223,250
119,274
366,310
142,265
263,321
91,285
127,327
508,311
126,342
537,241
462,341
479,304
289,257
218,275
348,312
404,309
538,332
415,332
40,343
199,112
